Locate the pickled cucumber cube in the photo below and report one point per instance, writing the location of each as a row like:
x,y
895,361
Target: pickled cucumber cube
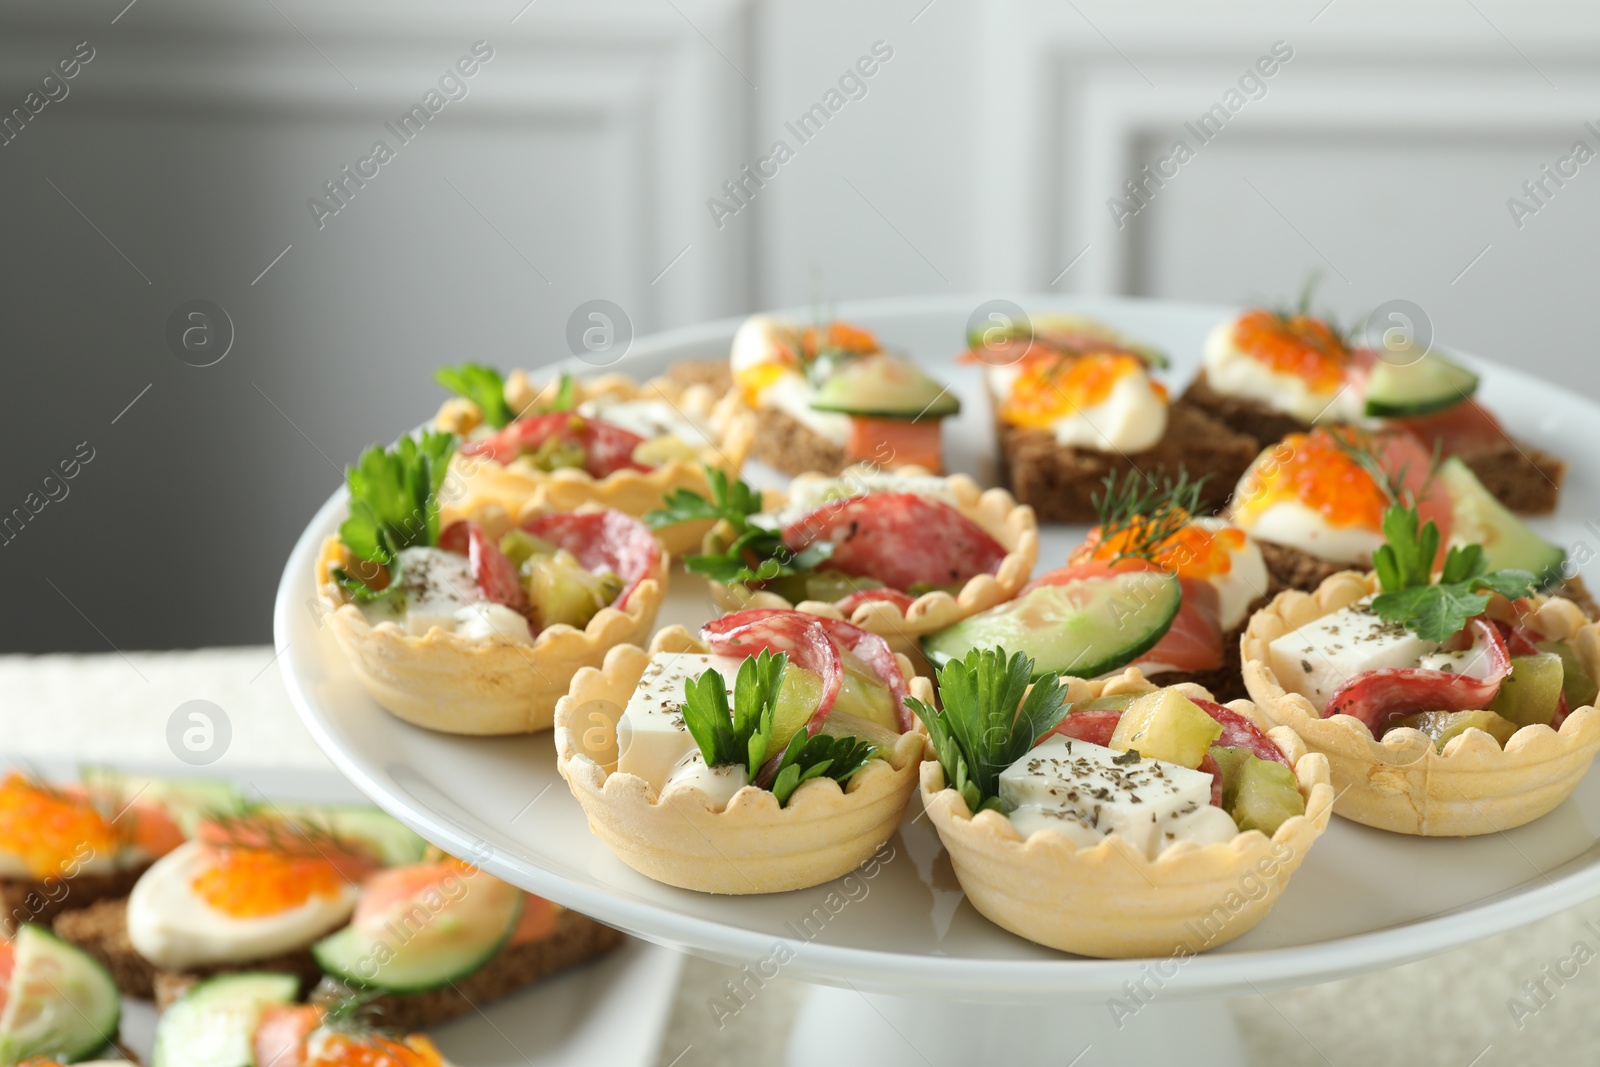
x,y
1441,726
1166,725
862,694
1528,694
1265,795
1576,681
519,545
562,590
798,696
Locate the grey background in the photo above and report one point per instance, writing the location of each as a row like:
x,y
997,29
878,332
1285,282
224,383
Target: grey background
x,y
578,168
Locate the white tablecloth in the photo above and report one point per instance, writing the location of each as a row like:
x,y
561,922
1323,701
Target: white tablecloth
x,y
1458,1009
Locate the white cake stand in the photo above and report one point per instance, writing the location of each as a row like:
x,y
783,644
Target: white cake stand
x,y
905,969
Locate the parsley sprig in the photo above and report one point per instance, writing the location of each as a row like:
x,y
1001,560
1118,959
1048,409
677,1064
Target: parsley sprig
x,y
483,386
1435,610
755,553
991,718
740,735
805,758
394,505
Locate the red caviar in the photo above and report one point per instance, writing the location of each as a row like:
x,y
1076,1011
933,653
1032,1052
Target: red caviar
x,y
47,828
1056,385
1192,552
1297,344
1312,469
248,883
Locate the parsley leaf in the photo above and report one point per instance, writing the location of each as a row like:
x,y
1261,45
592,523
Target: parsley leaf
x,y
807,757
737,736
991,718
1435,610
481,385
394,504
753,553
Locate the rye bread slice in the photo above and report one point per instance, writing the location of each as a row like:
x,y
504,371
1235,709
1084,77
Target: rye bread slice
x,y
102,931
1060,482
27,900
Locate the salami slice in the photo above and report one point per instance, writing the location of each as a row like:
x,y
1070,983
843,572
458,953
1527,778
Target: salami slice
x,y
900,539
1380,698
1209,766
454,538
1095,727
602,540
744,633
606,448
849,604
1240,732
496,577
795,634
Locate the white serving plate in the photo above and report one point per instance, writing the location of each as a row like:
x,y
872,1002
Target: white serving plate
x,y
611,1011
1363,899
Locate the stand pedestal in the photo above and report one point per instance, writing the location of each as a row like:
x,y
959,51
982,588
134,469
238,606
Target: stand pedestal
x,y
844,1028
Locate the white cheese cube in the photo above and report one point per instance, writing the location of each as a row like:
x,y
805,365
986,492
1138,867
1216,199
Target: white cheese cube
x,y
1322,655
648,419
1136,798
437,584
806,497
652,738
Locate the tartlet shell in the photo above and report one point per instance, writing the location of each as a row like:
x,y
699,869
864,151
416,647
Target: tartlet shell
x,y
476,482
751,846
478,685
995,510
1402,783
1109,900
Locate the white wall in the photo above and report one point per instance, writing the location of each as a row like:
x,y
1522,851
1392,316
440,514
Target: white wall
x,y
981,158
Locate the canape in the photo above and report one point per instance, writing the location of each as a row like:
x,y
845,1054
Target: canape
x,y
1448,704
477,627
1273,373
830,396
607,441
1074,401
796,783
1315,503
249,891
1153,585
67,846
900,554
1113,818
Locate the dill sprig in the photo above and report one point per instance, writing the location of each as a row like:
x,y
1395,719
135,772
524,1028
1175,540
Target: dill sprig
x,y
1146,513
1360,447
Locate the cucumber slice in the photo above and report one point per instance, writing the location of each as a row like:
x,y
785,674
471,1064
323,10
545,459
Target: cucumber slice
x,y
1478,518
1432,383
214,1024
884,387
436,938
187,800
392,843
62,1004
1084,627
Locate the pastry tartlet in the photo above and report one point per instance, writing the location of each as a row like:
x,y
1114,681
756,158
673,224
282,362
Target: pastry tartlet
x,y
478,480
902,620
1403,782
489,684
1110,900
752,845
